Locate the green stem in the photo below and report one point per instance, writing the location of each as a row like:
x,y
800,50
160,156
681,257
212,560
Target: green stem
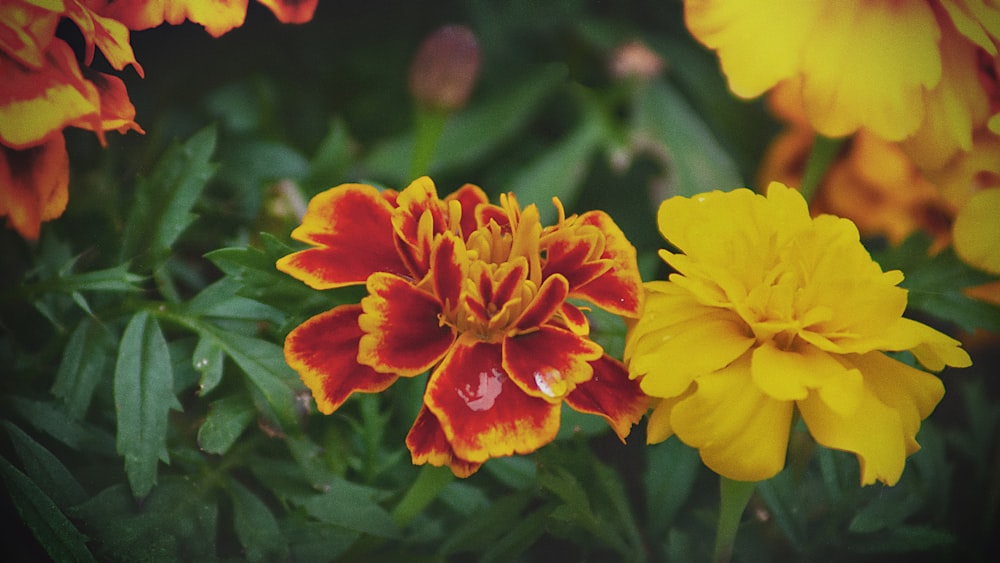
x,y
824,150
428,484
735,496
429,126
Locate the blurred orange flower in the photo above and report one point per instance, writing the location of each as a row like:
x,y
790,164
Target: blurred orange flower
x,y
44,88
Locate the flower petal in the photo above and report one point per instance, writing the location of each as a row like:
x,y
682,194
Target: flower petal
x,y
26,31
483,413
549,299
740,432
35,185
977,231
612,395
659,427
449,270
403,334
352,227
428,444
324,351
549,362
292,11
216,17
470,197
109,35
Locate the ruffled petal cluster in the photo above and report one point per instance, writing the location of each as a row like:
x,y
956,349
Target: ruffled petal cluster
x,y
922,70
770,312
479,295
45,89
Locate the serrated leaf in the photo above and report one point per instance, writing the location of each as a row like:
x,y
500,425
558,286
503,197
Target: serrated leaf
x,y
60,538
220,300
163,201
207,359
256,527
144,395
227,419
935,283
85,359
352,507
110,279
696,161
55,422
45,470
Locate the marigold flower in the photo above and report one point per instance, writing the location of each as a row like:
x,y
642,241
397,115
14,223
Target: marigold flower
x,y
477,294
892,67
216,16
771,312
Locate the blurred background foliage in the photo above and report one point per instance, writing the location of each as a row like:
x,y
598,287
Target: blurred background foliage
x,y
148,414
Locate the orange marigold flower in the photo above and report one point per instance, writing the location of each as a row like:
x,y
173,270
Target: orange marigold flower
x,y
896,68
771,311
216,16
476,293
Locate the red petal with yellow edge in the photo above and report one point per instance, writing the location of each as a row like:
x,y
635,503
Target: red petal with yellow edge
x,y
572,253
428,444
550,297
449,269
482,413
574,319
402,331
470,197
117,111
35,185
109,35
549,362
351,225
324,351
619,289
26,31
292,11
612,395
34,104
217,16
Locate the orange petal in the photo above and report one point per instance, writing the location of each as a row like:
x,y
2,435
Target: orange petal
x,y
217,16
351,226
612,395
549,299
549,362
34,185
470,197
324,351
117,111
482,413
292,11
428,444
34,104
109,35
26,31
402,332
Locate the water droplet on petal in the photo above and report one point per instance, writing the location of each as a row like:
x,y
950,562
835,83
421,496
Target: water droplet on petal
x,y
550,382
483,396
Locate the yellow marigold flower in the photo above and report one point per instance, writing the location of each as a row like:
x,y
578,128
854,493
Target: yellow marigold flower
x,y
892,67
772,311
479,295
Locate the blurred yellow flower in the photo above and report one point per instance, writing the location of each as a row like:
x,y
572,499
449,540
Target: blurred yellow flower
x,y
901,69
772,311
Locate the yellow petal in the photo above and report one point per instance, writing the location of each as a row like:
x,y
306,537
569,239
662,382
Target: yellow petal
x,y
977,231
658,427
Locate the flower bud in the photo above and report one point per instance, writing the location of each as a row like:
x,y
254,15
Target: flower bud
x,y
445,67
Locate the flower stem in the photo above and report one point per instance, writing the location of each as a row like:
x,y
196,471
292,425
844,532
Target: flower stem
x,y
423,491
824,150
429,126
735,496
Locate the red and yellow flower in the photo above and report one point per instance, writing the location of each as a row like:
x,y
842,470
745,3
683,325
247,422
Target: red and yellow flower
x,y
44,89
479,295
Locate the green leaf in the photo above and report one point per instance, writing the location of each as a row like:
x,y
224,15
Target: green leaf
x,y
488,524
666,124
352,507
207,359
331,160
54,421
143,398
227,419
176,522
60,538
475,132
669,481
256,527
163,201
83,365
935,283
45,469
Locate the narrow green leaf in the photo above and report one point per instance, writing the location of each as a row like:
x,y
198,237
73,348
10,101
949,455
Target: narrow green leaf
x,y
669,480
208,360
256,527
352,507
83,365
60,538
144,396
695,159
54,421
45,469
163,201
227,419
